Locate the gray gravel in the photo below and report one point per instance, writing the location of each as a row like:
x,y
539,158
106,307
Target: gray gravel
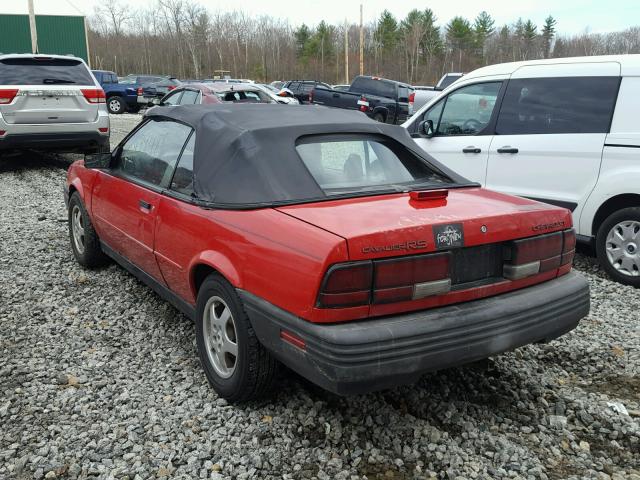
x,y
99,378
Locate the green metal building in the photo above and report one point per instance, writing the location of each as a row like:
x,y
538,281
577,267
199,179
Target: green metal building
x,y
57,34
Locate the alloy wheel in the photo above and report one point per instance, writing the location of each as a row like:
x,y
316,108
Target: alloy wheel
x,y
77,228
220,338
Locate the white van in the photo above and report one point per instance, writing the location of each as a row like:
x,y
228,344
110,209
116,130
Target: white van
x,y
565,131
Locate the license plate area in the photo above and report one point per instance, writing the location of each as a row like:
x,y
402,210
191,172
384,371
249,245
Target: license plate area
x,y
479,265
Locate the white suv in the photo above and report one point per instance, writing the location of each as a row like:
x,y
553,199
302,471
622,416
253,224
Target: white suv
x,y
51,102
565,131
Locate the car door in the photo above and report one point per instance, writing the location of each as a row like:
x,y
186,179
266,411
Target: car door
x,y
550,132
462,128
125,198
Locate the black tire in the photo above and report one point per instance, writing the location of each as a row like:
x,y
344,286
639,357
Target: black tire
x,y
255,368
631,214
116,105
91,255
378,117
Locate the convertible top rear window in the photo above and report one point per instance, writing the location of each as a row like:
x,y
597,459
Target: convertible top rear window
x,y
342,164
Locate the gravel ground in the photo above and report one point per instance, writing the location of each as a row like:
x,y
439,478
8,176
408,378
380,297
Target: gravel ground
x,y
99,378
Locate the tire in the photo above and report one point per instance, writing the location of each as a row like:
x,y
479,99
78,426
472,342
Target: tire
x,y
250,373
378,117
86,246
618,246
116,105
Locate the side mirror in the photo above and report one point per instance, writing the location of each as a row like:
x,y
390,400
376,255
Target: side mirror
x,y
425,128
97,160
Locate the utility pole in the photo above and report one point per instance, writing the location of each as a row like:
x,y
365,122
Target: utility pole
x,y
32,27
361,43
346,52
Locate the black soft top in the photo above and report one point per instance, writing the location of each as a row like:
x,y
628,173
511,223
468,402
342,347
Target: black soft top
x,y
245,154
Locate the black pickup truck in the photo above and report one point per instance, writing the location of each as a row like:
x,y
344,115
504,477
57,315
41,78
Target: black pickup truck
x,y
383,100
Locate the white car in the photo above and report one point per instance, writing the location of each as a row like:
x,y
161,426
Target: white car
x,y
51,102
278,95
564,131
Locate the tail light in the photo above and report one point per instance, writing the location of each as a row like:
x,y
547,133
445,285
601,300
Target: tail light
x,y
412,98
311,95
363,103
170,87
140,91
7,95
383,281
2,132
94,95
530,256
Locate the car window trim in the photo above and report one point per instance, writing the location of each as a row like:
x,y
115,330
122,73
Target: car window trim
x,y
175,167
489,128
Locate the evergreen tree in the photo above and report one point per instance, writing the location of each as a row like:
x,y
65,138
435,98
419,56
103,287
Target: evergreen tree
x,y
386,34
548,32
302,36
483,26
459,36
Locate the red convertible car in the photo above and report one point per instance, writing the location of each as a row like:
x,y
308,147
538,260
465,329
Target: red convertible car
x,y
325,241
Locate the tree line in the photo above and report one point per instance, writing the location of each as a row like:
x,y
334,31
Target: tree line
x,y
182,38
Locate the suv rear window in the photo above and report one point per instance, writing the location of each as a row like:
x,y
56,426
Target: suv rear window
x,y
44,71
380,88
345,164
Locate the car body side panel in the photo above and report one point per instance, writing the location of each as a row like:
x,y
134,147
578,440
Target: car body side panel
x,y
266,252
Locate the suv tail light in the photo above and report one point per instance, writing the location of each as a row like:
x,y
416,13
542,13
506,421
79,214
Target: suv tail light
x,y
530,256
412,98
140,91
94,95
7,95
363,104
311,95
170,87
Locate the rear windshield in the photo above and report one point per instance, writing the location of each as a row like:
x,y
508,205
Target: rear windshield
x,y
51,71
374,87
348,164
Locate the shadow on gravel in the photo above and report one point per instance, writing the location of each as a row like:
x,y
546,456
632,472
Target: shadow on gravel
x,y
32,160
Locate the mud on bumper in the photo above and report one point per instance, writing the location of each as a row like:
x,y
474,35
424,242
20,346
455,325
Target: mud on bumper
x,y
368,355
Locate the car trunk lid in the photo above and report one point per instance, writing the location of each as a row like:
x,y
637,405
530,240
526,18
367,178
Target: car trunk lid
x,y
47,105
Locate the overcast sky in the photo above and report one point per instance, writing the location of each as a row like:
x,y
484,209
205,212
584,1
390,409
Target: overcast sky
x,y
573,16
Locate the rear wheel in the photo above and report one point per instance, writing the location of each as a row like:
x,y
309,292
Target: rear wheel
x,y
116,105
85,243
237,366
378,117
618,246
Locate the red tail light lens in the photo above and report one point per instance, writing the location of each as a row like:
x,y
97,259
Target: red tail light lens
x,y
94,95
412,98
7,95
139,91
569,247
530,256
170,87
311,95
347,285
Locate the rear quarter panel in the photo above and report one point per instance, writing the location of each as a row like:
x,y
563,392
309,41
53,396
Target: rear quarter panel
x,y
81,179
266,252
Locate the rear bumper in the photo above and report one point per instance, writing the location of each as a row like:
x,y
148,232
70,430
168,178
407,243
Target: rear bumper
x,y
54,141
363,356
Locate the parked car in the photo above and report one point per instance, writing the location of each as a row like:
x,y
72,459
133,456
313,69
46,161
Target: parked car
x,y
301,89
120,97
278,95
191,94
277,84
52,102
562,131
154,87
325,241
424,93
241,93
385,101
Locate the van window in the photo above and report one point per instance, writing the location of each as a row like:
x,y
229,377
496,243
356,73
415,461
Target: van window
x,y
558,105
468,110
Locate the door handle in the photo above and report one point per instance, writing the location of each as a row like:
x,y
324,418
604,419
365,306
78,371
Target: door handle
x,y
336,95
145,205
471,150
507,149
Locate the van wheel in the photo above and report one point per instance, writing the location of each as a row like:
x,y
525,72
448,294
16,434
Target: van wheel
x,y
116,105
85,243
237,366
378,117
618,246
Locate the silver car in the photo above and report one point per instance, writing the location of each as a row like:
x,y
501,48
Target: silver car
x,y
51,102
